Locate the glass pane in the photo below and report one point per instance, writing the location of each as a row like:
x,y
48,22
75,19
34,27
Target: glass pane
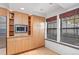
x,y
77,16
76,22
70,33
64,23
53,34
70,23
51,30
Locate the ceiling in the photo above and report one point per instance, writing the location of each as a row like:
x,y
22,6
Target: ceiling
x,y
42,9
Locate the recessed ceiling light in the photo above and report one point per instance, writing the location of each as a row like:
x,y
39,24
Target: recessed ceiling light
x,y
41,9
22,8
50,3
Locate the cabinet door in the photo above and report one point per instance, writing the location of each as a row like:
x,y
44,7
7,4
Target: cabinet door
x,y
25,19
18,18
11,48
3,12
19,44
22,44
41,32
35,31
38,31
25,44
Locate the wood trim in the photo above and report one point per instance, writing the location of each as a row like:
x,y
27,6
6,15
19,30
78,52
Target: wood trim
x,y
20,12
4,8
38,16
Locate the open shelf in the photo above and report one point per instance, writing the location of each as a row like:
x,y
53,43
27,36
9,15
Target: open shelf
x,y
11,24
29,25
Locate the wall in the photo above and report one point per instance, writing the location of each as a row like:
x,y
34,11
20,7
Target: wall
x,y
61,49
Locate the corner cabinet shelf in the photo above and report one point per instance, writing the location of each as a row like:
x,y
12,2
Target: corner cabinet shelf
x,y
29,27
11,24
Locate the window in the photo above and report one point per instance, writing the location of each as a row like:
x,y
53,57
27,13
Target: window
x,y
70,30
52,30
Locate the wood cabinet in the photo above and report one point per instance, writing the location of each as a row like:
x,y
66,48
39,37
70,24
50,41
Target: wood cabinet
x,y
37,31
41,32
3,12
21,18
11,47
20,40
26,42
17,45
22,44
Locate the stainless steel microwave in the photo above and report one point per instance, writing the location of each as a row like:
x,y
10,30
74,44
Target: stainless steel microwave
x,y
20,28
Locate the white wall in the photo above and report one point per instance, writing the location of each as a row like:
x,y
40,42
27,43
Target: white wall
x,y
61,49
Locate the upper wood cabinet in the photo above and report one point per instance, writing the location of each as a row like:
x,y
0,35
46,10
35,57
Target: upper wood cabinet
x,y
21,18
3,12
25,19
17,18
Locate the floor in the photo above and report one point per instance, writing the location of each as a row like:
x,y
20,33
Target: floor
x,y
40,51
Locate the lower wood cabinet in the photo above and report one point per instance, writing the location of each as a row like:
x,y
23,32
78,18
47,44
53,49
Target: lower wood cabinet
x,y
11,48
17,45
26,44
